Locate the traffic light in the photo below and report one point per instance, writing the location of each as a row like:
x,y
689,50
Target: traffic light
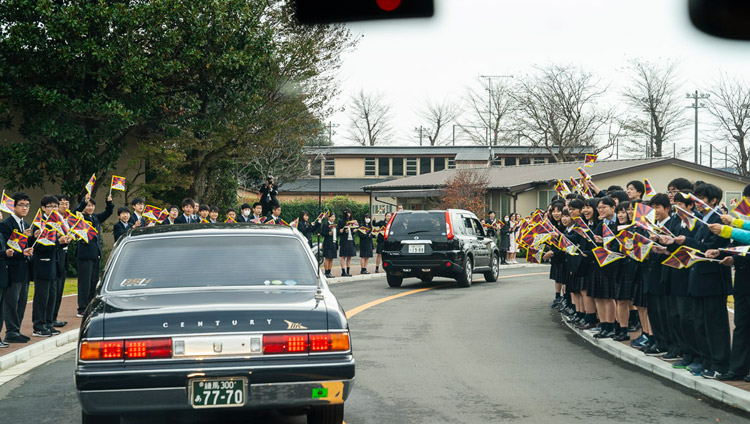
x,y
325,11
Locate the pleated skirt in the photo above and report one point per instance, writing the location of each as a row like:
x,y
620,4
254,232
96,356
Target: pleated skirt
x,y
365,248
603,284
347,248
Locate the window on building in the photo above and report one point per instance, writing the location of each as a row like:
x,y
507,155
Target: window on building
x,y
524,161
315,167
552,159
397,166
451,164
369,167
439,164
384,166
425,165
545,196
329,169
510,161
497,160
538,161
411,166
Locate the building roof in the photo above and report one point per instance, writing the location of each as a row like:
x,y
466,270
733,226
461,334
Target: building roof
x,y
520,178
474,154
328,185
430,150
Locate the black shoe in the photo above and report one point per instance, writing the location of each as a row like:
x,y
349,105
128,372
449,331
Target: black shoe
x,y
672,356
328,275
364,272
634,328
604,334
54,331
556,302
622,337
27,338
729,376
654,351
747,378
3,345
41,333
60,323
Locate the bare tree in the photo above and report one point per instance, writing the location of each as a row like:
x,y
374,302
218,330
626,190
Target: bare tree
x,y
558,108
652,93
369,119
438,116
730,105
490,108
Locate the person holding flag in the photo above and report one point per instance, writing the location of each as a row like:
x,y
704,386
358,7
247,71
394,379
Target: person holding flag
x,y
213,214
136,218
556,256
187,212
588,266
4,283
275,216
90,253
364,233
62,261
329,233
16,294
381,239
605,275
306,228
347,249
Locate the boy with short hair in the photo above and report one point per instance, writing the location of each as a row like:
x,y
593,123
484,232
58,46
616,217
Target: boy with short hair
x,y
89,254
635,190
213,215
138,205
17,292
122,226
245,211
187,212
231,213
203,211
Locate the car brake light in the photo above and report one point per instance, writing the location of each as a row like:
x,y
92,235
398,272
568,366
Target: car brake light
x,y
330,342
305,343
388,226
149,348
111,349
448,225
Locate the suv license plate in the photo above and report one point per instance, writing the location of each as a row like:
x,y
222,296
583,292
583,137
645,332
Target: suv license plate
x,y
217,392
416,248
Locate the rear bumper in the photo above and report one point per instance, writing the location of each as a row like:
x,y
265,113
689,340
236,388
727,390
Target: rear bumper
x,y
445,264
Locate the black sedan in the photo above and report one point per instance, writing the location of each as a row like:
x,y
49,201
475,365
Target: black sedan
x,y
192,317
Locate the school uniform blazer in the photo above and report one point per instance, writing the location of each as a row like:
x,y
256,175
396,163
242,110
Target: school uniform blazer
x,y
119,229
18,264
656,275
44,261
4,278
93,249
61,254
326,230
270,217
678,281
742,275
708,278
308,229
182,220
168,222
133,220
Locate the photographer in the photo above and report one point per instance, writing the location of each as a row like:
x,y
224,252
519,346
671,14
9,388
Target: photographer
x,y
268,193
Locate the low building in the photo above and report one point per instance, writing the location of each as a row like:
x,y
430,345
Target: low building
x,y
524,188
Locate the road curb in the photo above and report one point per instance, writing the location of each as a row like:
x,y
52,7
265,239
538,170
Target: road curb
x,y
359,277
31,351
716,390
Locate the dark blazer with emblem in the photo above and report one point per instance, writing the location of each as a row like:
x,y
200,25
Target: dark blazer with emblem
x,y
93,249
44,261
656,275
119,229
133,220
4,278
182,220
708,278
18,264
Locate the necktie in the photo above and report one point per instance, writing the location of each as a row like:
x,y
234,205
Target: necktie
x,y
23,228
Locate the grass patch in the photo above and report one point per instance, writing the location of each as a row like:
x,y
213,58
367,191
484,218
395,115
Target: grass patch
x,y
71,287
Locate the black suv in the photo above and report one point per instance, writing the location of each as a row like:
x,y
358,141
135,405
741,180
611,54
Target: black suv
x,y
444,243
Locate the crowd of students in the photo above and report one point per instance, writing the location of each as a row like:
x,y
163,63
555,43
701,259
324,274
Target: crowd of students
x,y
681,313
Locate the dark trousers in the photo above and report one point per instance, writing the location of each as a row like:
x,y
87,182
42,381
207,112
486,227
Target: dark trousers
x,y
685,311
712,332
2,307
15,307
740,360
675,330
658,317
44,297
59,287
88,276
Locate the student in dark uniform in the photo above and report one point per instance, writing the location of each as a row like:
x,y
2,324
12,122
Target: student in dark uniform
x,y
231,213
504,240
213,214
268,192
203,211
588,266
557,258
381,239
123,225
347,249
624,279
655,282
365,244
4,282
245,212
17,291
640,298
137,217
174,212
490,225
604,282
187,212
256,213
329,233
62,264
274,216
45,276
89,254
306,228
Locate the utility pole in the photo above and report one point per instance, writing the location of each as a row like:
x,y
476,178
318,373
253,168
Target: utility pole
x,y
696,96
331,126
420,129
489,103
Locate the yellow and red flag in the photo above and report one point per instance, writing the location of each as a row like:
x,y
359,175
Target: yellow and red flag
x,y
7,204
687,218
18,241
118,183
353,224
90,185
589,161
561,188
56,221
584,175
700,205
79,230
258,220
605,257
38,220
294,223
574,184
607,235
90,230
742,210
737,250
230,220
205,221
70,220
649,188
152,212
534,256
567,246
48,237
644,216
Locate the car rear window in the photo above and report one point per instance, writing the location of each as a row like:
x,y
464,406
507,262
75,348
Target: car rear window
x,y
428,223
211,261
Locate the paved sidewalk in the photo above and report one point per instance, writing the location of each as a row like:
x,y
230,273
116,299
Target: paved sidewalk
x,y
733,393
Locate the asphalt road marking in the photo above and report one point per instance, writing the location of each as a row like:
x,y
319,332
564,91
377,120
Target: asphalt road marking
x,y
352,312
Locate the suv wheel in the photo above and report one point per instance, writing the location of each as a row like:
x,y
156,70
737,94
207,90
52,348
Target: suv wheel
x,y
394,281
491,275
464,280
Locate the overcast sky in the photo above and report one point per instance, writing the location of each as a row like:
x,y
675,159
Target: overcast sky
x,y
412,60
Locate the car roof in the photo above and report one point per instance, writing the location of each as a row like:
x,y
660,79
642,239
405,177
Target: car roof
x,y
210,229
438,210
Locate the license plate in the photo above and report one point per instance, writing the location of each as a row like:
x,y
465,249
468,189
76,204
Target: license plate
x,y
416,248
218,392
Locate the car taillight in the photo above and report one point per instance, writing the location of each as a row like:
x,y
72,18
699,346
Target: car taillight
x,y
305,343
388,226
448,225
126,349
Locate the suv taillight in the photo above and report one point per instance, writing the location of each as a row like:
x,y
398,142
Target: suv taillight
x,y
448,225
126,349
388,226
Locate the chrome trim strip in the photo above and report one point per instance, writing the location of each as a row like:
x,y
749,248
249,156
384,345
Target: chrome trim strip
x,y
235,333
243,369
416,241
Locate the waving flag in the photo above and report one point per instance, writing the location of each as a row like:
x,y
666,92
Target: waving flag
x,y
534,256
687,218
702,206
737,250
70,220
118,183
90,230
353,224
205,221
581,223
18,241
229,220
584,175
258,220
644,216
270,222
295,223
649,188
90,185
56,221
151,212
48,237
641,250
535,236
742,210
607,235
80,230
574,184
686,257
605,257
562,188
38,220
625,238
567,246
7,204
162,215
589,161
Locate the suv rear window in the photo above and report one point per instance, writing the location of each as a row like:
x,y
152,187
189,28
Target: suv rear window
x,y
217,261
429,223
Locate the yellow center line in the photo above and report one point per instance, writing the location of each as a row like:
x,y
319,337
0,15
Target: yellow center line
x,y
352,312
